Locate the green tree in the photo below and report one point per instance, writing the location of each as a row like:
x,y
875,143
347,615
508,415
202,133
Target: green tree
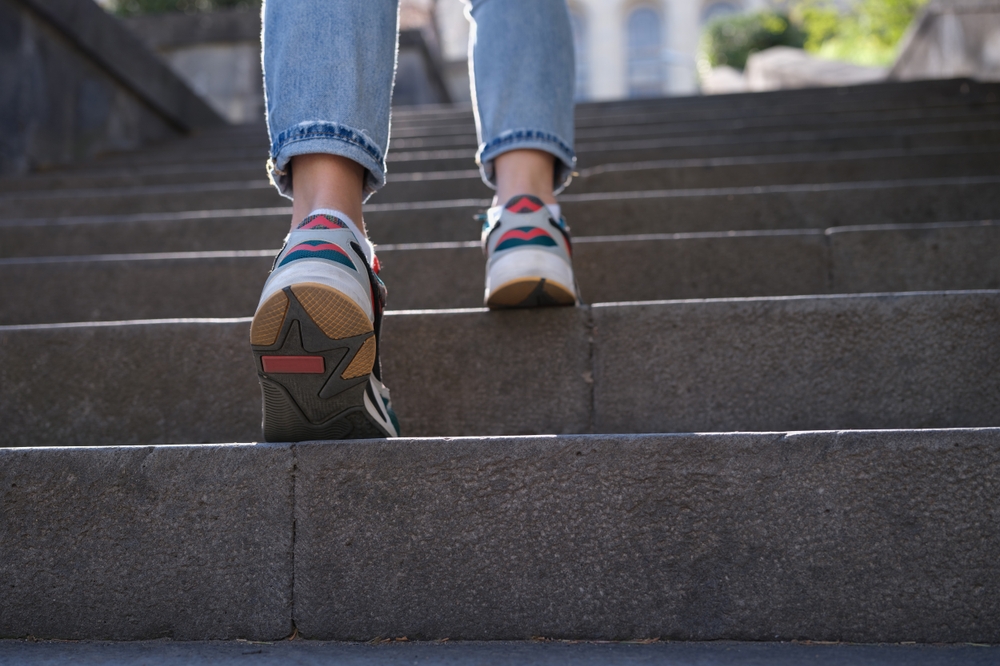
x,y
730,40
868,33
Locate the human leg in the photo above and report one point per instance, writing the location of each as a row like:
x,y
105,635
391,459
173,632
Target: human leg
x,y
522,71
328,78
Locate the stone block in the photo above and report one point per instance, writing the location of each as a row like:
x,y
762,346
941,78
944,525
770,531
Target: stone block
x,y
82,290
133,383
195,231
879,536
638,268
921,360
916,257
786,169
479,372
126,543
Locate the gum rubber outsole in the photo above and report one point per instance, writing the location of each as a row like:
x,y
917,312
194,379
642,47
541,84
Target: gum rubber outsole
x,y
306,398
530,293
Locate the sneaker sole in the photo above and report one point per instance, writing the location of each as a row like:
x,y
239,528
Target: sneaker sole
x,y
314,349
530,293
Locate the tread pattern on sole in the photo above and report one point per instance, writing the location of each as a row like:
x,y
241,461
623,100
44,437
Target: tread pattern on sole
x,y
334,313
313,319
363,360
267,322
530,293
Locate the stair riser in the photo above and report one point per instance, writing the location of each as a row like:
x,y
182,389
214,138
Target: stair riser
x,y
668,214
856,537
811,167
766,171
722,212
718,267
673,121
919,360
612,131
467,146
589,154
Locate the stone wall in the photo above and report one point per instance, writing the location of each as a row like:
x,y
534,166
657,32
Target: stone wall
x,y
74,84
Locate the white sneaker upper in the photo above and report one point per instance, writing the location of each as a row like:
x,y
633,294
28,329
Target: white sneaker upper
x,y
528,253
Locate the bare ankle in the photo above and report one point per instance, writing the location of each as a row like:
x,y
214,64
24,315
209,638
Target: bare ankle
x,y
524,172
327,181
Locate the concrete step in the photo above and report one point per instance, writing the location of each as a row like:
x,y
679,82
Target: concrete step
x,y
946,256
196,152
733,128
717,117
822,101
539,652
857,536
958,135
818,206
225,165
467,184
923,359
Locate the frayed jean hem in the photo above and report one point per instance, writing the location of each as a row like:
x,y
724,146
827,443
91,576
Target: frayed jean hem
x,y
520,139
329,138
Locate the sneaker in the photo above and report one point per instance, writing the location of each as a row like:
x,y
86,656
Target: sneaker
x,y
315,339
528,256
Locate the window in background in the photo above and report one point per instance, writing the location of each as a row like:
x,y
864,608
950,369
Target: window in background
x,y
718,9
579,24
645,53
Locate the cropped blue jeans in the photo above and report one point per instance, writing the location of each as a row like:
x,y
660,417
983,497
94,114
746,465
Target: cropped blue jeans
x,y
329,67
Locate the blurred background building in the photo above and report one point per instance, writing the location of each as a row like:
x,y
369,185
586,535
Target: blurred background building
x,y
625,48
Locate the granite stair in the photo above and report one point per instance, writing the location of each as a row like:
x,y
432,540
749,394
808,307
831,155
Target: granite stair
x,y
776,417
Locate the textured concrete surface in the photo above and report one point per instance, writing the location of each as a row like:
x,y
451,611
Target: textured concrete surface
x,y
774,169
897,360
142,383
961,256
608,268
210,286
146,542
197,231
228,285
852,536
489,373
870,361
495,653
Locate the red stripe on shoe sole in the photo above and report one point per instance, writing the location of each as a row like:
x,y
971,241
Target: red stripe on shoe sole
x,y
293,365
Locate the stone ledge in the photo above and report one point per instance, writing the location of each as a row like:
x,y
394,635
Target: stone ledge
x,y
852,536
125,543
920,359
858,536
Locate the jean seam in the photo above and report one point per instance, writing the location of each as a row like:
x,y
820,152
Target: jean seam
x,y
344,134
517,136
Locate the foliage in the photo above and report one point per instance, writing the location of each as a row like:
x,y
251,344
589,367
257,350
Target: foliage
x,y
867,33
139,7
730,40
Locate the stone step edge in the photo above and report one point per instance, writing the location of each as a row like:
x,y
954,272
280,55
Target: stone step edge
x,y
563,199
483,310
473,174
453,245
811,535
